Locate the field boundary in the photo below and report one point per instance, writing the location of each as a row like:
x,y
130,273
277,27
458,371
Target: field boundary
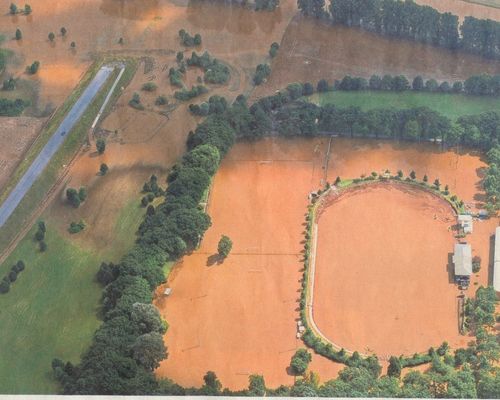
x,y
82,125
312,335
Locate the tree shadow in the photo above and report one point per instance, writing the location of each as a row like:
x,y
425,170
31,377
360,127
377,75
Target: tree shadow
x,y
214,259
450,268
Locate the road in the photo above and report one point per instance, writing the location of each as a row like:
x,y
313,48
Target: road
x,y
57,139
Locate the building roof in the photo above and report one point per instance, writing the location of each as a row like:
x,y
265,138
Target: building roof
x,y
462,259
496,263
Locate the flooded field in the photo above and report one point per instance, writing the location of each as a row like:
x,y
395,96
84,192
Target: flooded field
x,y
238,318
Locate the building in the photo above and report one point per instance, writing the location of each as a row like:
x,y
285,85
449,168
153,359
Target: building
x,y
496,261
465,222
462,261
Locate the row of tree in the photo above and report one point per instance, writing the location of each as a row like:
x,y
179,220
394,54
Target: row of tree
x,y
406,19
129,344
479,85
11,276
11,108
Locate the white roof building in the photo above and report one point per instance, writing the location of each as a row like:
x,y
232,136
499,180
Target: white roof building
x,y
465,221
462,259
496,261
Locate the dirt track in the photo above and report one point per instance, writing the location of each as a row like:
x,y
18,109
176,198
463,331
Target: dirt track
x,y
382,259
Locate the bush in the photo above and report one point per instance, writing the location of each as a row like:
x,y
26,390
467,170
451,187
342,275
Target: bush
x,y
195,91
19,34
224,247
175,76
161,100
103,169
188,40
9,84
135,102
261,73
52,36
100,145
149,87
4,286
11,108
300,361
322,86
75,227
273,51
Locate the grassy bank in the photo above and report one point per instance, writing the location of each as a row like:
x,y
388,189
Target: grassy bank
x,y
450,105
49,312
63,156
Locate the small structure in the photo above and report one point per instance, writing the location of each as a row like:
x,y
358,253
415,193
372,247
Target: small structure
x,y
167,291
496,261
462,260
465,222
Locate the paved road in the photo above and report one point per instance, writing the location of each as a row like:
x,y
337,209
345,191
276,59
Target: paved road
x,y
41,161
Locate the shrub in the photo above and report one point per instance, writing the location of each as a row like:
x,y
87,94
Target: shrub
x,y
100,145
300,361
63,31
224,247
12,276
195,91
103,169
161,100
4,286
33,68
261,73
43,246
27,9
13,9
322,86
135,102
75,227
52,36
149,87
9,84
19,34
273,51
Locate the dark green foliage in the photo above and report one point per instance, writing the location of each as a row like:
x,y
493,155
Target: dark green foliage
x,y
322,86
256,386
9,84
103,169
195,91
42,246
135,102
73,45
418,84
308,89
63,31
76,227
175,76
273,50
100,145
295,90
215,131
149,87
27,9
205,156
13,9
148,350
268,5
395,367
224,247
313,8
300,361
161,100
52,36
188,40
75,197
4,286
215,71
11,108
19,34
261,73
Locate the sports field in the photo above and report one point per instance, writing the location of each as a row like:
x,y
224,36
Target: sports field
x,y
239,317
450,105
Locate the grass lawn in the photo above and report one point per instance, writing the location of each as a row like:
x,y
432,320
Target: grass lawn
x,y
126,225
49,312
451,105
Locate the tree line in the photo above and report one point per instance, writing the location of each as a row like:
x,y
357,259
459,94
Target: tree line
x,y
128,345
408,20
478,85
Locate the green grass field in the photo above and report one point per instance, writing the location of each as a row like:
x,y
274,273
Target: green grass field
x,y
49,312
451,105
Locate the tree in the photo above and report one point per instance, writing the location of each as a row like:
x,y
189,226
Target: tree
x,y
147,318
212,382
4,286
313,8
52,36
149,349
273,50
43,246
19,34
73,198
82,194
27,9
256,386
413,175
100,145
418,84
42,227
103,169
205,157
224,247
300,361
322,86
33,68
13,8
73,45
437,184
395,367
426,179
63,31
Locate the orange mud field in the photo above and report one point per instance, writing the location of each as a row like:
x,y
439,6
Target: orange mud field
x,y
383,282
239,317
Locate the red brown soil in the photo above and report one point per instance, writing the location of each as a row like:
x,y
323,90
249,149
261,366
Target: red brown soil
x,y
311,50
239,317
16,135
382,259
